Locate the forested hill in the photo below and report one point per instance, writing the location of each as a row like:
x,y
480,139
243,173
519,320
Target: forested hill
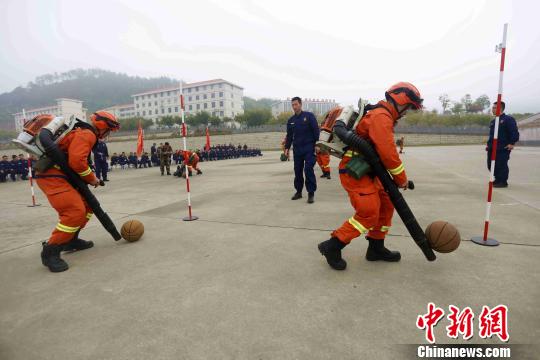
x,y
96,87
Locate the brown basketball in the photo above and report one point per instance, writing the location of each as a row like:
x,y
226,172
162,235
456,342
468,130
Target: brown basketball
x,y
443,236
132,230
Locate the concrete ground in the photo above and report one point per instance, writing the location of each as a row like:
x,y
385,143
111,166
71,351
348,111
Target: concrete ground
x,y
246,280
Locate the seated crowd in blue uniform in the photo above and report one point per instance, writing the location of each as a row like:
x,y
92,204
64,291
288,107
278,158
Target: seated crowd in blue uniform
x,y
14,169
218,152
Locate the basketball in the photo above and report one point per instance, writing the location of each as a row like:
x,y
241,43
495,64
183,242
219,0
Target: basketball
x,y
132,230
443,236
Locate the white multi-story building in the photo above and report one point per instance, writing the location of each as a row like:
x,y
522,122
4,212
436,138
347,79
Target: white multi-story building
x,y
64,107
123,111
316,106
217,97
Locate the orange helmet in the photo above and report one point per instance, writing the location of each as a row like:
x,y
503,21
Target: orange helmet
x,y
404,93
104,122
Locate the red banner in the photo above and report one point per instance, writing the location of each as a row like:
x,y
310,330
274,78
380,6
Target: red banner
x,y
140,141
207,147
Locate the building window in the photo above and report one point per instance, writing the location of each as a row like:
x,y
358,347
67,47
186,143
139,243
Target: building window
x,y
213,95
137,106
149,104
205,105
155,103
169,110
163,110
198,106
213,104
221,103
155,95
176,109
189,90
161,94
197,88
221,113
220,86
197,97
232,104
190,107
144,113
149,112
143,104
168,93
204,96
138,114
190,98
221,94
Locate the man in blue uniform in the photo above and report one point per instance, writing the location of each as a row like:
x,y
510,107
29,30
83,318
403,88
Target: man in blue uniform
x,y
5,167
302,133
101,155
13,171
508,136
22,167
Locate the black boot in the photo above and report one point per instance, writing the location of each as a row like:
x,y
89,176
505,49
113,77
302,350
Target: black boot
x,y
78,244
323,175
377,251
328,176
331,250
311,198
297,196
199,172
50,257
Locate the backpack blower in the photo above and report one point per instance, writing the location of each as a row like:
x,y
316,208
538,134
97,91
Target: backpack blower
x,y
338,135
40,137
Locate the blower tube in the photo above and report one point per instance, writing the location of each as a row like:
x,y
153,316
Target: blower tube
x,y
353,140
59,158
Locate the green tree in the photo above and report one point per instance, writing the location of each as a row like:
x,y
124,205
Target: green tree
x,y
199,119
467,103
167,121
133,123
255,117
282,118
457,108
480,104
263,103
445,102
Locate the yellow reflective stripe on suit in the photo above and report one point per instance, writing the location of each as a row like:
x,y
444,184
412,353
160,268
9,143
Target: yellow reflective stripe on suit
x,y
398,170
361,228
67,229
86,172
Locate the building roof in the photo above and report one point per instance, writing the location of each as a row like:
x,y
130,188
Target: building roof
x,y
48,107
187,85
532,121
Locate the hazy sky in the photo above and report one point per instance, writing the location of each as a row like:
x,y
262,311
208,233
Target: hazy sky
x,y
318,49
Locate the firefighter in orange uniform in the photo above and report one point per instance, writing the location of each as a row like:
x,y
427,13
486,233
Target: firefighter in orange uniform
x,y
373,208
73,211
323,159
191,159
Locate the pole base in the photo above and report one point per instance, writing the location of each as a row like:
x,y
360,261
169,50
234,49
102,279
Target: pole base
x,y
192,218
33,205
479,240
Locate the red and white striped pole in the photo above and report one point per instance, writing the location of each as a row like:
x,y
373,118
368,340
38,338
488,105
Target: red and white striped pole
x,y
191,217
30,179
484,240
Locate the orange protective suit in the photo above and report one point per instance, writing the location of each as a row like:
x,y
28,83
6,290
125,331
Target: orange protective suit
x,y
373,207
191,159
324,162
72,209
